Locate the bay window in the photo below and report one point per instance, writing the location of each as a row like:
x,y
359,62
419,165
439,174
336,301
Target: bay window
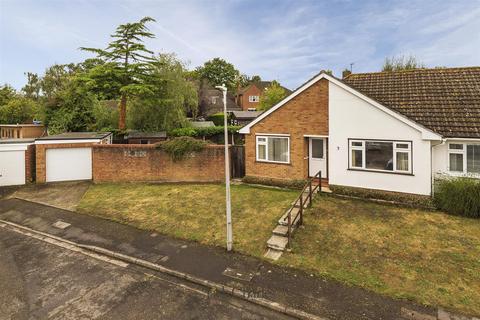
x,y
273,149
381,155
464,158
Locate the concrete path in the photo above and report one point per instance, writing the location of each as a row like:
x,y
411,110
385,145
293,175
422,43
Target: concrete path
x,y
295,289
65,195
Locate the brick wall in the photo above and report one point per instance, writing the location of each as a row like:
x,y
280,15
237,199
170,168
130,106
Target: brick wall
x,y
30,163
40,154
307,113
116,163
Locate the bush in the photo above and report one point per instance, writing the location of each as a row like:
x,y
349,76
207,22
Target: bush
x,y
397,197
459,196
217,118
179,147
201,132
291,184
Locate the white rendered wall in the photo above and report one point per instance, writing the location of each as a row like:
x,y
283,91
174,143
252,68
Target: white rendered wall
x,y
354,118
441,161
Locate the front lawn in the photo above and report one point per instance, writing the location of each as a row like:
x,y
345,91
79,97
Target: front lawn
x,y
430,257
192,211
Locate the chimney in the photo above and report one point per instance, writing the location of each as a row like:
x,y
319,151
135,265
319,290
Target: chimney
x,y
346,73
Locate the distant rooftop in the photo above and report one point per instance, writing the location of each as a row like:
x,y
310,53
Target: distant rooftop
x,y
202,124
246,114
20,140
19,125
77,136
140,134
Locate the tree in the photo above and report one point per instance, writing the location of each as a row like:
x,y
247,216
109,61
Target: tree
x,y
7,93
33,86
18,110
173,96
271,96
255,78
401,63
218,71
127,61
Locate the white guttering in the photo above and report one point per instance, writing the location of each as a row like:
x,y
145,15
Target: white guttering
x,y
65,141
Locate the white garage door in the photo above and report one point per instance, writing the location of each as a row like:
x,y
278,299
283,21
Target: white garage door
x,y
67,164
12,167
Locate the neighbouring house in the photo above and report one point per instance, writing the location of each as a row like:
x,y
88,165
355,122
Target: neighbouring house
x,y
241,118
389,131
67,156
211,101
137,137
248,98
22,131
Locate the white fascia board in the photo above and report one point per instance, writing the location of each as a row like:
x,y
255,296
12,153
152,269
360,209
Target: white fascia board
x,y
463,139
68,141
315,136
14,147
273,134
427,134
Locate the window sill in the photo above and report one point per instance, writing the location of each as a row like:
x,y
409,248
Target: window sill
x,y
273,162
379,171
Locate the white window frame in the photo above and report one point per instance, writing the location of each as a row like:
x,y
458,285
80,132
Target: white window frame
x,y
265,143
395,150
463,152
253,98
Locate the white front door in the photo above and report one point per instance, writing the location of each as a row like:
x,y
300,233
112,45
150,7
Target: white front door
x,y
317,159
68,164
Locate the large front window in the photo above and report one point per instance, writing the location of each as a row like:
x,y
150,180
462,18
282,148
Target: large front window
x,y
273,149
464,158
381,155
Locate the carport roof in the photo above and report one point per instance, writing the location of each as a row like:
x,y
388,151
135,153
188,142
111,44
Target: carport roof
x,y
21,140
76,136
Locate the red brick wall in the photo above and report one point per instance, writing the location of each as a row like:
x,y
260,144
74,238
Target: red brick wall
x,y
251,91
115,163
30,163
40,154
307,113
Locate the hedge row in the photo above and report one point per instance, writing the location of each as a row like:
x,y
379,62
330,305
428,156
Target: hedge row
x,y
291,184
202,132
459,196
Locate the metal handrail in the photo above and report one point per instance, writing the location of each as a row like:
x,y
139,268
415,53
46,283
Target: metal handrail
x,y
300,198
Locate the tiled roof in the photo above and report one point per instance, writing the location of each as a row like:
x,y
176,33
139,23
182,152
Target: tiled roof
x,y
262,85
445,100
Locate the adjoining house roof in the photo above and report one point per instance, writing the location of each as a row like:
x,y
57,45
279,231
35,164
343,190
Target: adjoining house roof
x,y
262,85
202,124
445,100
147,135
76,136
246,115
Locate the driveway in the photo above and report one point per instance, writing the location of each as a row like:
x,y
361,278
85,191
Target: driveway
x,y
64,195
40,280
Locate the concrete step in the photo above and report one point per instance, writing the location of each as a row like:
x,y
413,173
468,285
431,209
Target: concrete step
x,y
273,254
282,230
284,221
277,243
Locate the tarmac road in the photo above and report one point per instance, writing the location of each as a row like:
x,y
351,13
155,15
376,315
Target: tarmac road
x,y
40,280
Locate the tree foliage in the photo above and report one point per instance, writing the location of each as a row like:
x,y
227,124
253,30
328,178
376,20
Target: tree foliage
x,y
271,96
218,71
127,62
401,63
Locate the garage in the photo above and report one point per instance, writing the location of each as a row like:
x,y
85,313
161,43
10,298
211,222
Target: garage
x,y
67,156
68,164
12,161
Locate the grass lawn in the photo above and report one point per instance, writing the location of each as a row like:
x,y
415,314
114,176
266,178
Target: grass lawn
x,y
192,211
426,256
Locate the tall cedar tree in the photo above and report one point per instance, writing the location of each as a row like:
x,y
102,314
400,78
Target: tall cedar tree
x,y
129,60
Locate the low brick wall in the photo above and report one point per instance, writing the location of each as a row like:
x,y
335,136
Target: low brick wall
x,y
117,163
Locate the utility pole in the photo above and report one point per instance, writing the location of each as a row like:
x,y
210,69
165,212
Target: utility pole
x,y
223,88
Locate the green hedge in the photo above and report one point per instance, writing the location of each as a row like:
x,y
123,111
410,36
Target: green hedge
x,y
291,184
217,118
179,147
459,196
201,132
397,197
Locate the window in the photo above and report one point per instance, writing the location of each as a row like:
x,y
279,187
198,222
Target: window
x,y
273,149
464,158
317,148
253,98
375,155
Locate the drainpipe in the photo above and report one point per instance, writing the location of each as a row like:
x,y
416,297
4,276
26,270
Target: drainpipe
x,y
432,177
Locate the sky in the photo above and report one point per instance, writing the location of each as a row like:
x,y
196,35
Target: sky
x,y
286,40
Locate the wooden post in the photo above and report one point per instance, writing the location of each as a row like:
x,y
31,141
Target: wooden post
x,y
310,193
300,221
289,227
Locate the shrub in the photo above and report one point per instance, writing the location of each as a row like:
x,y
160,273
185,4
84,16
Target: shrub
x,y
397,197
201,132
459,196
179,147
217,118
291,184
